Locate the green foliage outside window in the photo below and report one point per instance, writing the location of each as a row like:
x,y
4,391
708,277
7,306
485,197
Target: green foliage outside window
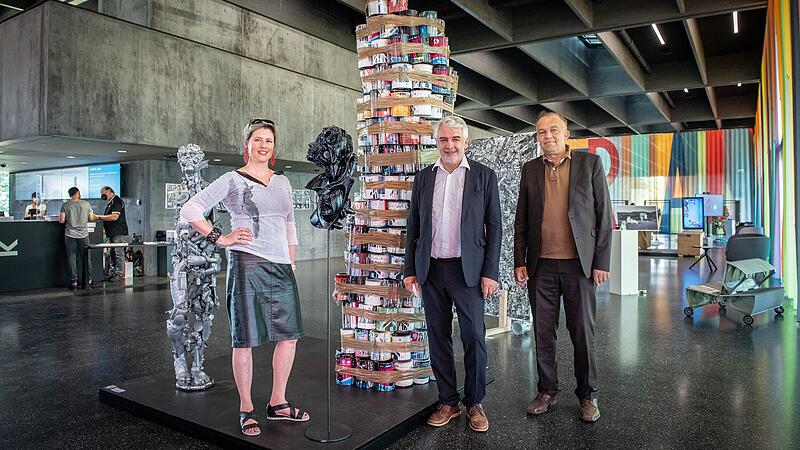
x,y
4,194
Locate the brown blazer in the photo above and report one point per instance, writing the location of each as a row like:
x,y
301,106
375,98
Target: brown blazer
x,y
589,213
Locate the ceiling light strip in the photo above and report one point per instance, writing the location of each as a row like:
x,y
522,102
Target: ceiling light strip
x,y
658,34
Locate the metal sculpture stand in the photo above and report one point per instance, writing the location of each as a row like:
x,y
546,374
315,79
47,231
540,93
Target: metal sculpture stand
x,y
330,431
332,151
193,282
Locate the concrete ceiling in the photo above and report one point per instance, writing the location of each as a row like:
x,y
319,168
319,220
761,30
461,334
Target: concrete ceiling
x,y
518,57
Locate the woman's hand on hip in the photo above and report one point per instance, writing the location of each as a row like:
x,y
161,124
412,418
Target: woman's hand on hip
x,y
240,235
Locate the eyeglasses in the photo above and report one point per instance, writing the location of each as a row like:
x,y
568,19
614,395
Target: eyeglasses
x,y
260,121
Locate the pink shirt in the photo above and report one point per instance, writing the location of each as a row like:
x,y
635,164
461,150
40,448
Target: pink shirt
x,y
448,193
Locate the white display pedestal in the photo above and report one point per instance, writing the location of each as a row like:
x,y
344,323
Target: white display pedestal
x,y
624,273
128,272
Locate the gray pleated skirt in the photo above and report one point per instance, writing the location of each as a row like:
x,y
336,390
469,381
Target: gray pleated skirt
x,y
263,303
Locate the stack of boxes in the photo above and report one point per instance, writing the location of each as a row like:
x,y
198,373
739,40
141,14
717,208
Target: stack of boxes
x,y
403,59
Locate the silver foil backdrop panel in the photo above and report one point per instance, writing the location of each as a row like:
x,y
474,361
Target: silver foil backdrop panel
x,y
506,155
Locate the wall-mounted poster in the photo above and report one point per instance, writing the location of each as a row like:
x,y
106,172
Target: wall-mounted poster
x,y
302,199
171,193
633,217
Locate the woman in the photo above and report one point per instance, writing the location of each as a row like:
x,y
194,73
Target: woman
x,y
263,305
36,209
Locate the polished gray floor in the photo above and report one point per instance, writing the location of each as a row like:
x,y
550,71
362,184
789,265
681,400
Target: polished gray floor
x,y
666,381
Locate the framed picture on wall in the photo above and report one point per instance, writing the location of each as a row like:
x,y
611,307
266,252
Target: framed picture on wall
x,y
302,199
172,192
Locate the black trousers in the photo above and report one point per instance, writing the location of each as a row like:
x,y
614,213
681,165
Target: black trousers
x,y
554,278
446,285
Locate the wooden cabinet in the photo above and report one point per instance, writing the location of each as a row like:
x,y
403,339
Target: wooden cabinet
x,y
687,240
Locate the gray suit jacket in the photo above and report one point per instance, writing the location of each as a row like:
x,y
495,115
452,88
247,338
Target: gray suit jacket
x,y
589,213
481,227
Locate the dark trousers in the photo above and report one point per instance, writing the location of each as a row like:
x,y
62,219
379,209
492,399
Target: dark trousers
x,y
76,248
446,285
117,257
554,278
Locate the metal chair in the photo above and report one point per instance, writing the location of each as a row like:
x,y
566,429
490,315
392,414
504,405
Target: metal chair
x,y
750,230
747,246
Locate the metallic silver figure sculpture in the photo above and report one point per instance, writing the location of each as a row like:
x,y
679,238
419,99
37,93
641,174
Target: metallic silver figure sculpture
x,y
193,282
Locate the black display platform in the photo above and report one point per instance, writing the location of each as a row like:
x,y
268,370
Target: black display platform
x,y
376,418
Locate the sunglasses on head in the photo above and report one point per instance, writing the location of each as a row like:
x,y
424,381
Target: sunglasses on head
x,y
260,121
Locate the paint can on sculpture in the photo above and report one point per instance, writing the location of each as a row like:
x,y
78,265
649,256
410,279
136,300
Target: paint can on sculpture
x,y
364,363
376,7
403,337
406,365
397,6
438,59
421,364
347,332
436,111
384,366
344,360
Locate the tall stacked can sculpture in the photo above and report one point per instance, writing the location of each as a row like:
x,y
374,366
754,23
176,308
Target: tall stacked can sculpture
x,y
408,85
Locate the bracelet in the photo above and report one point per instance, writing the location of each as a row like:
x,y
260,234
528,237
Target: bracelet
x,y
214,235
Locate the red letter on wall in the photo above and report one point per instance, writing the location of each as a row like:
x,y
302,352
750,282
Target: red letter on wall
x,y
613,153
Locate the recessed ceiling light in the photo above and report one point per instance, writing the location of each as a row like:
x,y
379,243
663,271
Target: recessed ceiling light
x,y
287,167
70,157
685,90
216,160
738,84
658,34
735,22
122,151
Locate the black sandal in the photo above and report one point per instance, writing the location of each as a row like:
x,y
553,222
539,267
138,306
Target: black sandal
x,y
292,417
245,416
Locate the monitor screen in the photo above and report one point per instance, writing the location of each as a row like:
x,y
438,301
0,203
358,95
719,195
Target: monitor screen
x,y
712,205
54,183
693,213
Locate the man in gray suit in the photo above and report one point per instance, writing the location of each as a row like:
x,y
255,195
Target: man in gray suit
x,y
562,239
453,256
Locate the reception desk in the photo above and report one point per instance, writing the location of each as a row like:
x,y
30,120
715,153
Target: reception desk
x,y
33,255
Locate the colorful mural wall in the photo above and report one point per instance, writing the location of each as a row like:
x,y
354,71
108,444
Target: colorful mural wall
x,y
659,169
774,198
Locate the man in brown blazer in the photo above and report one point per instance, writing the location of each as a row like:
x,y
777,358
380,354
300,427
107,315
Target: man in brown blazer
x,y
562,240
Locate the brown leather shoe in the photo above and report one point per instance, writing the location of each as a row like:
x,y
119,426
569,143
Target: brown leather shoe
x,y
477,418
443,415
589,410
541,403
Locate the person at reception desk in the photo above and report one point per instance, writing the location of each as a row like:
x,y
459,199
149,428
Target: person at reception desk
x,y
116,227
562,240
36,209
76,214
